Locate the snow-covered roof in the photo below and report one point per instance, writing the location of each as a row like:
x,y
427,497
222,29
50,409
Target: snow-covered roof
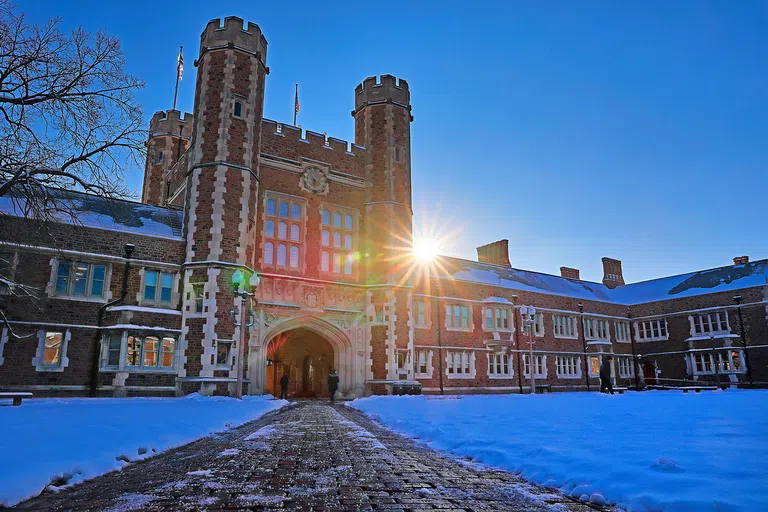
x,y
102,213
732,277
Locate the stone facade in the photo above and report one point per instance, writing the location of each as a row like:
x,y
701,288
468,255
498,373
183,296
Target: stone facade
x,y
327,226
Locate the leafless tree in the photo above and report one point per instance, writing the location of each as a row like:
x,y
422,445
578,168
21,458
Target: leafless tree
x,y
68,113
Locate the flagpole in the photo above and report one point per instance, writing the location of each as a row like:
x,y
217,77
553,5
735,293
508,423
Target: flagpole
x,y
296,102
176,91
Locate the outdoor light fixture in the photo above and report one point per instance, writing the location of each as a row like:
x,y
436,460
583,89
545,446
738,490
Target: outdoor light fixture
x,y
528,313
239,290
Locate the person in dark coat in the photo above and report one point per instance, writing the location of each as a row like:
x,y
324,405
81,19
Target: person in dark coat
x,y
284,386
605,376
333,383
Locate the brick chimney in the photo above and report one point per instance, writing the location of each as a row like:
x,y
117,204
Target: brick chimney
x,y
496,253
612,276
569,273
741,260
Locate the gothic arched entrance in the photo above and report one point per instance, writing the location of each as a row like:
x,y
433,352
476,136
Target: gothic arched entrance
x,y
305,357
306,348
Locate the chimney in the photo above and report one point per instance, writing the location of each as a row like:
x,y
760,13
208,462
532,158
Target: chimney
x,y
741,260
569,273
612,276
496,253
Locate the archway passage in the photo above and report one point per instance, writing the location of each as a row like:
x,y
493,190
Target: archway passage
x,y
305,357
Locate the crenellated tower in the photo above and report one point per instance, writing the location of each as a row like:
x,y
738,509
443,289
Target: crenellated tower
x,y
382,124
221,194
169,136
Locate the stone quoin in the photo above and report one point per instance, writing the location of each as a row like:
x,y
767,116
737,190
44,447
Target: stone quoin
x,y
327,225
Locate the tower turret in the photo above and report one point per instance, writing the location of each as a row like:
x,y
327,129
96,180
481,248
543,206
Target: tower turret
x,y
222,189
170,133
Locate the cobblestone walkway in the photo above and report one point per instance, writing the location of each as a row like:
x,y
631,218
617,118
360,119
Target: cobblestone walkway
x,y
307,456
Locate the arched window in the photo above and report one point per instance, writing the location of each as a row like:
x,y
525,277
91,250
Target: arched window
x,y
325,264
336,219
270,206
281,255
337,263
336,239
348,241
326,215
283,209
294,232
296,212
269,250
294,257
326,238
347,221
269,229
348,264
282,230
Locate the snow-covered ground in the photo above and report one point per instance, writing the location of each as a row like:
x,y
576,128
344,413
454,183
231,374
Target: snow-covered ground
x,y
651,451
84,437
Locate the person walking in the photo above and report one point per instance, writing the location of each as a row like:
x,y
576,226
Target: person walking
x,y
605,376
333,383
284,386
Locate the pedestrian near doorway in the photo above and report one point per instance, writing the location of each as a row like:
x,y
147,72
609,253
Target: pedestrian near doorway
x,y
284,386
333,384
606,386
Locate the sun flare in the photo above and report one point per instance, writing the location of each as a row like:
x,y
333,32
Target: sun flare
x,y
425,249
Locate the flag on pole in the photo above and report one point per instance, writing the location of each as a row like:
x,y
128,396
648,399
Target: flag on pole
x,y
296,105
180,66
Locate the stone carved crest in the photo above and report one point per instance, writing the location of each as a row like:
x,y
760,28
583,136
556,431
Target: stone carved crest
x,y
314,297
310,299
314,180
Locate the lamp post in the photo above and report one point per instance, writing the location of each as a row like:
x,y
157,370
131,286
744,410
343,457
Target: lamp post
x,y
239,290
528,313
737,300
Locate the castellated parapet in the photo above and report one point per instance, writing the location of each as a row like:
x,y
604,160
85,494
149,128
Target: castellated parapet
x,y
235,31
386,89
168,122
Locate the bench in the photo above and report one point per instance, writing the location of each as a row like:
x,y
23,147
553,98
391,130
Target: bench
x,y
16,396
542,388
698,389
620,390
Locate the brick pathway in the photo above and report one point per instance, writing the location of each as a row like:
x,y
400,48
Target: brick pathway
x,y
308,456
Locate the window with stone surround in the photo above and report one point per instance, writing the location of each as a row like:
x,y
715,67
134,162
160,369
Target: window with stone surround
x,y
715,322
223,354
651,330
538,325
158,287
458,317
378,314
51,355
421,314
564,326
79,280
497,318
338,238
568,367
423,366
626,366
730,361
150,352
460,364
499,365
622,332
284,236
596,329
540,365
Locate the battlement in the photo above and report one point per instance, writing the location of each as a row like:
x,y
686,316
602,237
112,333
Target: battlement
x,y
234,30
383,89
166,122
314,139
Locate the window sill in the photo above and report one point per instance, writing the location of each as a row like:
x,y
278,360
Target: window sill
x,y
49,369
566,337
459,377
99,300
559,376
136,369
504,331
498,376
459,329
423,375
645,340
526,376
425,327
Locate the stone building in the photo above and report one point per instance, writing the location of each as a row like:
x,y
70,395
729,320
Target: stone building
x,y
137,298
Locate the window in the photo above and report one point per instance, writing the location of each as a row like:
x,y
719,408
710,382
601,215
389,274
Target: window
x,y
622,332
223,351
457,316
596,329
51,353
568,367
283,231
459,364
651,330
540,365
496,319
237,110
149,352
198,295
565,326
715,322
729,362
397,154
594,366
626,367
424,363
158,286
114,344
338,231
498,365
403,361
77,279
704,363
325,264
420,313
538,326
158,156
377,314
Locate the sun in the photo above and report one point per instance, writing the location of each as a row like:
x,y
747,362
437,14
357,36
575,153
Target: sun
x,y
425,249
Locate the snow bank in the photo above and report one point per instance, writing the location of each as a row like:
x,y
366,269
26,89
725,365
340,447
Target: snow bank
x,y
46,438
652,451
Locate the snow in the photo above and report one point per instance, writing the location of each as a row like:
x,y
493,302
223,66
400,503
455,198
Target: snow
x,y
650,451
80,438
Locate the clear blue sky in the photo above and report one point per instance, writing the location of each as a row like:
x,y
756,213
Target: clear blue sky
x,y
635,130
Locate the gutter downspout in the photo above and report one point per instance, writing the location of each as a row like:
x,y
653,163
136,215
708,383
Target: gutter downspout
x,y
129,248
